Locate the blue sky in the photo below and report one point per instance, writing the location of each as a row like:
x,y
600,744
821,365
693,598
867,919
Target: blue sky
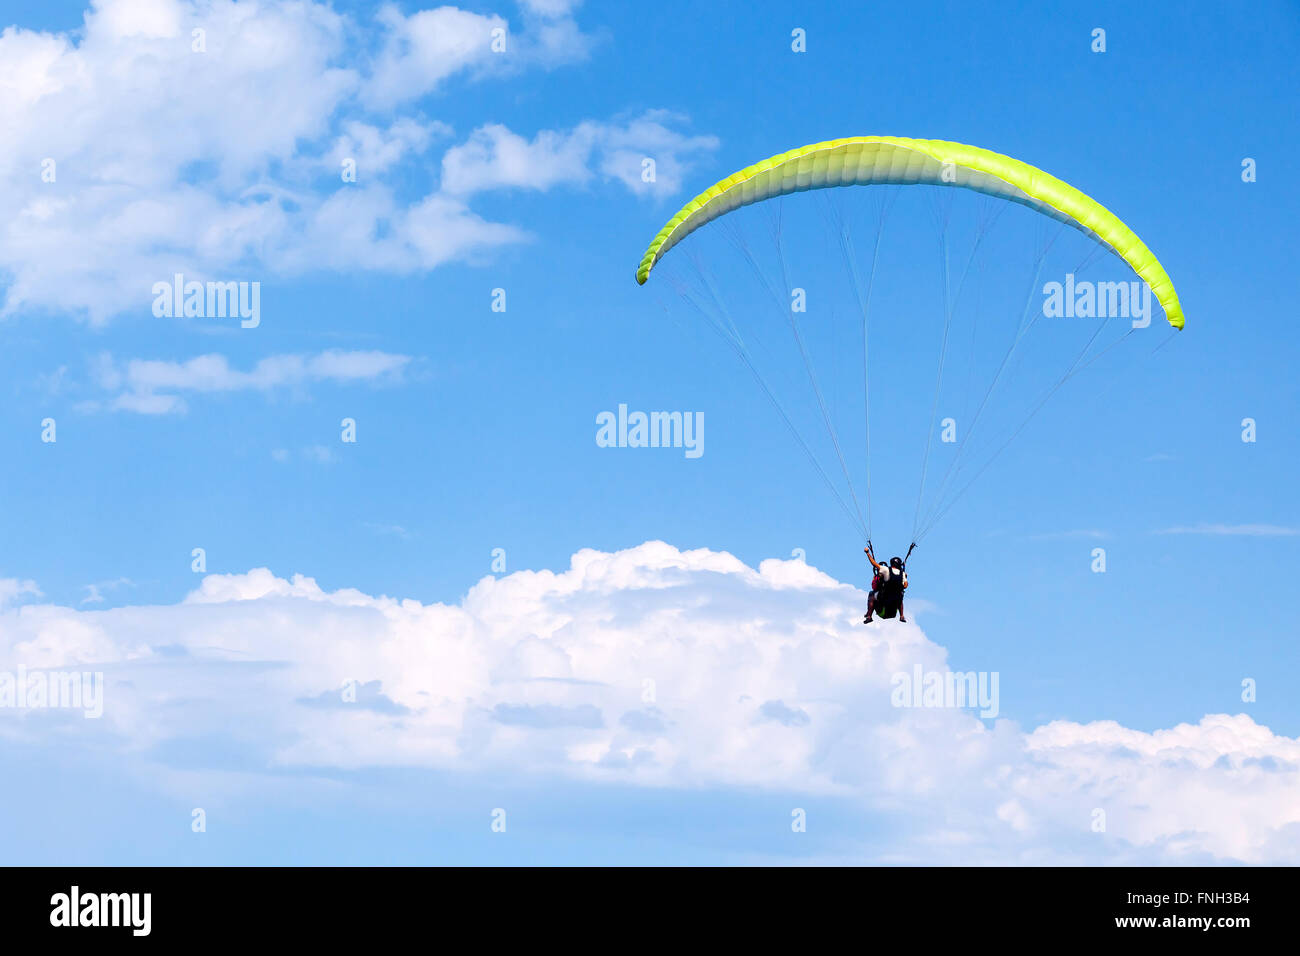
x,y
476,431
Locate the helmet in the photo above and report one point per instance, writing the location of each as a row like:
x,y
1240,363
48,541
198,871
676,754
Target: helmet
x,y
895,562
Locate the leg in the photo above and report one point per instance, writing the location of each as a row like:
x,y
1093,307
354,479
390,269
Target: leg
x,y
900,612
871,607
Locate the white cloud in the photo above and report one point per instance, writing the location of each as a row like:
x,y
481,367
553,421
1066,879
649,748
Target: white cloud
x,y
12,590
550,8
1223,787
650,135
663,668
377,150
143,403
150,386
317,454
1234,530
395,530
225,161
422,50
95,592
1085,533
494,157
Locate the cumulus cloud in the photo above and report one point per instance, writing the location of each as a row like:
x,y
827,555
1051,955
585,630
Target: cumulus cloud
x,y
551,9
494,157
667,669
125,149
137,147
154,387
425,48
377,149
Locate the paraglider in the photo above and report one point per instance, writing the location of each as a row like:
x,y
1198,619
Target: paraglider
x,y
866,160
896,161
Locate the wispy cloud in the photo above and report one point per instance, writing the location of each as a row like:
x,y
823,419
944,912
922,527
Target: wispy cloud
x,y
95,592
393,530
13,590
155,387
1080,533
1235,530
319,454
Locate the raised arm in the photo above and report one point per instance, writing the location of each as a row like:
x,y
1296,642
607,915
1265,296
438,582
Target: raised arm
x,y
872,558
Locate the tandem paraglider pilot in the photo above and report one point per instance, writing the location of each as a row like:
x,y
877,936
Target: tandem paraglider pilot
x,y
887,587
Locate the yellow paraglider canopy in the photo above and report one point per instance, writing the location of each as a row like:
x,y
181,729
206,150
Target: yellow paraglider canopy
x,y
866,160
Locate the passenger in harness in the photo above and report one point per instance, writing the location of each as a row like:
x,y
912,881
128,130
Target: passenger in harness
x,y
887,587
